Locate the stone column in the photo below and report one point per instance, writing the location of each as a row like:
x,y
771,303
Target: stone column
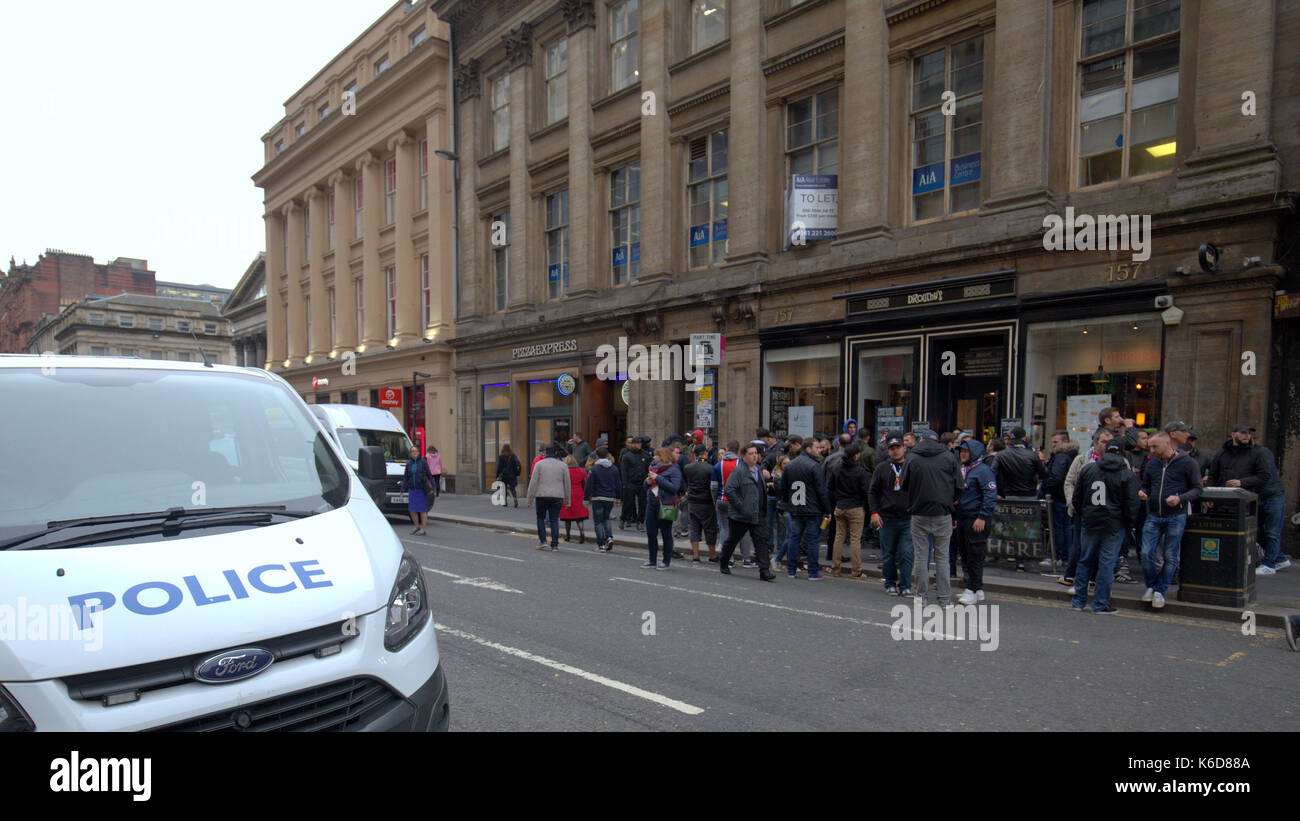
x,y
473,275
372,282
524,286
746,242
1018,138
408,328
276,349
863,124
295,226
657,196
320,343
345,304
584,210
439,220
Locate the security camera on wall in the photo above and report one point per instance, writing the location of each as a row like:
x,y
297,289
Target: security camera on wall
x,y
1164,301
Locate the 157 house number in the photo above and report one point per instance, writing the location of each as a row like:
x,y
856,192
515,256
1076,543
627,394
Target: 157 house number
x,y
784,315
1122,272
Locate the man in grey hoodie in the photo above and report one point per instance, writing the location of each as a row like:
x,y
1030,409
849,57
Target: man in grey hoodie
x,y
549,487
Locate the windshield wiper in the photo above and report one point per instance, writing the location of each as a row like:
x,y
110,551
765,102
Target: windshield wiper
x,y
171,515
164,528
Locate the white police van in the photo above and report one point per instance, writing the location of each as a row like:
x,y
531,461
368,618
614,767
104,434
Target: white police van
x,y
356,426
183,548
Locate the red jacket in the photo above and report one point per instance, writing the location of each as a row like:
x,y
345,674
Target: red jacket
x,y
575,508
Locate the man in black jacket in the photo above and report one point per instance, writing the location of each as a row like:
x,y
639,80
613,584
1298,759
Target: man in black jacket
x,y
1244,464
1019,470
700,511
849,491
933,481
889,516
746,494
632,470
1106,498
1064,449
1170,482
803,489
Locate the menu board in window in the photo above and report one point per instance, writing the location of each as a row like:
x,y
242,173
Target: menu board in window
x,y
779,402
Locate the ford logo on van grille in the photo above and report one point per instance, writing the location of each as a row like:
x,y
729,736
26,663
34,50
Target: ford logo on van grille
x,y
233,665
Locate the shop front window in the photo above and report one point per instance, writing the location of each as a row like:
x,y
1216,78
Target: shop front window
x,y
801,390
496,429
968,381
1074,369
885,377
550,415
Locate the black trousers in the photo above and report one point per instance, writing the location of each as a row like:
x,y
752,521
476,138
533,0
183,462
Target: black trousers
x,y
736,530
628,513
972,547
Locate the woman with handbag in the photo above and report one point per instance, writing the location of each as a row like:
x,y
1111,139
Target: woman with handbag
x,y
575,510
508,470
664,486
417,483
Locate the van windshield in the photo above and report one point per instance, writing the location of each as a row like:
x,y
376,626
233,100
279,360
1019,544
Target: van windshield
x,y
397,448
82,442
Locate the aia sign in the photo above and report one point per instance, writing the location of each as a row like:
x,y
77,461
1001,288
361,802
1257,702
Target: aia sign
x,y
390,398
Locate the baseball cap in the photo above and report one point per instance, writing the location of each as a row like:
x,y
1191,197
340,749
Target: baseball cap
x,y
1177,425
1114,446
1242,426
1191,434
926,434
893,439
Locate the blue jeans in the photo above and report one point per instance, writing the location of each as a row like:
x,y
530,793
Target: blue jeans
x,y
600,518
805,531
1099,552
654,526
1272,514
896,551
1062,531
1171,527
548,509
783,538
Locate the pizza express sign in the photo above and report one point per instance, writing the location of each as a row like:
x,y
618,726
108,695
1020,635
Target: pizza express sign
x,y
930,294
545,349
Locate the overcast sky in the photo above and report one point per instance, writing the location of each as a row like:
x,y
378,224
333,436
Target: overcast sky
x,y
132,128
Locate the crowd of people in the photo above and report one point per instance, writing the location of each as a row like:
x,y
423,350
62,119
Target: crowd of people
x,y
925,499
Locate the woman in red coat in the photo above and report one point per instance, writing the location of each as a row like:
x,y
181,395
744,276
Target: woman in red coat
x,y
575,510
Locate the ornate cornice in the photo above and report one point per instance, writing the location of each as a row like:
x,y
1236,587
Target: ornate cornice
x,y
290,208
909,8
467,80
782,62
700,98
339,176
579,14
519,46
366,159
398,140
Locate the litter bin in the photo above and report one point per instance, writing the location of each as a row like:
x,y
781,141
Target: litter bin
x,y
1217,560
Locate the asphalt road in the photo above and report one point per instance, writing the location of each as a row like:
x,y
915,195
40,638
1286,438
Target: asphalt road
x,y
540,640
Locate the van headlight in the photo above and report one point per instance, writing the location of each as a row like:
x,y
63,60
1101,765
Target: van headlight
x,y
408,605
12,717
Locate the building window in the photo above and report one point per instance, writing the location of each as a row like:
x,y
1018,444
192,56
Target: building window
x,y
95,318
424,174
625,222
501,112
350,92
306,312
381,65
279,147
157,355
812,134
624,44
183,325
417,38
390,286
361,309
125,321
155,323
1128,85
708,23
210,328
557,81
707,196
330,220
299,130
330,293
499,234
98,350
946,149
322,112
182,356
357,188
426,292
390,190
557,244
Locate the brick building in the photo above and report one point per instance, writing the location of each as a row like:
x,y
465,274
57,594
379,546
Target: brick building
x,y
30,292
916,148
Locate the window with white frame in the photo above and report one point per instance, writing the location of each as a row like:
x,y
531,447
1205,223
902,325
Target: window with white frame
x,y
390,190
557,80
426,292
329,221
155,354
322,112
390,290
125,321
708,23
381,65
1128,88
501,112
625,222
155,323
182,356
299,130
557,244
183,325
98,350
357,188
329,292
279,147
707,198
812,128
946,149
417,37
424,174
359,296
95,318
624,44
210,328
499,238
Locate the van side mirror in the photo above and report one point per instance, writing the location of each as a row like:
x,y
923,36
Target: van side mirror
x,y
370,463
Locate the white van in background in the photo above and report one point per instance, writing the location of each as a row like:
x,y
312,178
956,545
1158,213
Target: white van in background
x,y
213,565
355,426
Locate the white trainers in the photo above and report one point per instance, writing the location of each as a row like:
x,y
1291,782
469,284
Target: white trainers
x,y
1147,595
1157,600
1264,570
1284,564
979,594
968,597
